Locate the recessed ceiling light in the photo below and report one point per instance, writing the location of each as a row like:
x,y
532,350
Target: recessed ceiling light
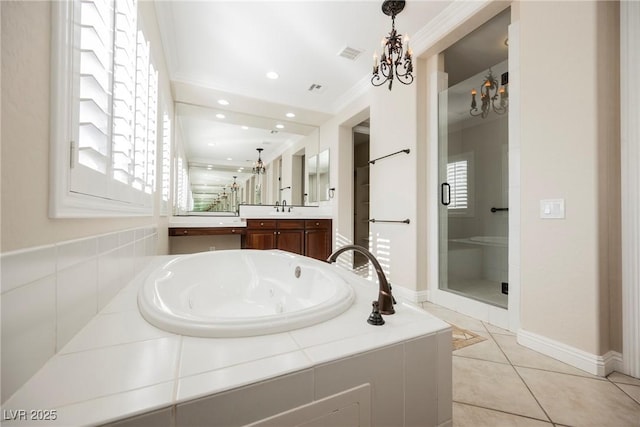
x,y
220,116
211,144
229,158
240,170
272,75
245,127
223,102
290,115
279,126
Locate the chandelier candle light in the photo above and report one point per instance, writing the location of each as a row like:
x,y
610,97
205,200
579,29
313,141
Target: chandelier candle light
x,y
489,94
258,166
393,64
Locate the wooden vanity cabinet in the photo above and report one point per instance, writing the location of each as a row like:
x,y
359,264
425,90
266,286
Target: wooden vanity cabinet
x,y
304,237
318,238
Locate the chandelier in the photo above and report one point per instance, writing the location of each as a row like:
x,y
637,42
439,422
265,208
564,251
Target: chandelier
x,y
393,64
234,185
492,96
258,166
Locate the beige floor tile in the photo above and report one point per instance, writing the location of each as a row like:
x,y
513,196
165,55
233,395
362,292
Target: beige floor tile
x,y
473,416
575,400
633,391
521,356
485,350
458,319
496,330
617,377
494,386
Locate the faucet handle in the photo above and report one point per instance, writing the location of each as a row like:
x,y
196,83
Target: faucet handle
x,y
375,318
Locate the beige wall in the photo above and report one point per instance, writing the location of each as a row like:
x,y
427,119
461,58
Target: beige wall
x,y
570,146
26,28
570,141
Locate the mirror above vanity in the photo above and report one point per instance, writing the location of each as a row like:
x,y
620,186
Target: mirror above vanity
x,y
217,152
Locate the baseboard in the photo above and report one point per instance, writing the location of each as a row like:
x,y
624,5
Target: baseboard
x,y
591,363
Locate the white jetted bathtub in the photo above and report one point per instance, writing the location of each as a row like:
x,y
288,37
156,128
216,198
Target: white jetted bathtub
x,y
238,293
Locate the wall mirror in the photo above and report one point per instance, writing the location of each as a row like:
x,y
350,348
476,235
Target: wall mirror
x,y
312,178
323,176
217,160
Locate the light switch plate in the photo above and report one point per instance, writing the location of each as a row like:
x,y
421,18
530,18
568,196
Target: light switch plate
x,y
552,208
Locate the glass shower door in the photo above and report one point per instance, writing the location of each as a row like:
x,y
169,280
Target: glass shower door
x,y
473,195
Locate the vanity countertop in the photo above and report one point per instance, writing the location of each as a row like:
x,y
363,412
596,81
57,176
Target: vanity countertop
x,y
234,221
206,221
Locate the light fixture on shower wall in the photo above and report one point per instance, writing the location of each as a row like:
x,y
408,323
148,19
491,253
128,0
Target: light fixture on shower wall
x,y
393,64
258,166
234,185
492,96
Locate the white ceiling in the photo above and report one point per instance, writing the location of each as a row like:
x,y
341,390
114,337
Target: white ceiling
x,y
223,50
229,46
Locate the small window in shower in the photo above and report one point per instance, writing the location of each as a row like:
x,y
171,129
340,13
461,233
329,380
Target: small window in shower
x,y
459,169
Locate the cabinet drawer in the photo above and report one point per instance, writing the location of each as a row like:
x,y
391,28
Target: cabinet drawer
x,y
290,224
261,223
319,224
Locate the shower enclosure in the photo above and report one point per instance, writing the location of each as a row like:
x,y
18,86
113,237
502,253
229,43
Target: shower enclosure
x,y
473,179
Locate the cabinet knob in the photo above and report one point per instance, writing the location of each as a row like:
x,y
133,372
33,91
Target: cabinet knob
x,y
261,224
185,232
275,232
233,231
317,224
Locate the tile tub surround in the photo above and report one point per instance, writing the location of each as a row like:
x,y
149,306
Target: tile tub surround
x,y
119,367
51,292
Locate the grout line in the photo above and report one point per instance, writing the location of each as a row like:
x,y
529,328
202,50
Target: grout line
x,y
121,344
478,358
622,390
501,411
521,379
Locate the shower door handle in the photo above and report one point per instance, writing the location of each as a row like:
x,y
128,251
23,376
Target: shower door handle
x,y
442,194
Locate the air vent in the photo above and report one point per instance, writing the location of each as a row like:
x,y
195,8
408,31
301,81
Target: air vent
x,y
316,88
350,53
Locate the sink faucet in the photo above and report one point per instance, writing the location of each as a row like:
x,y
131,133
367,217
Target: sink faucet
x,y
385,298
284,205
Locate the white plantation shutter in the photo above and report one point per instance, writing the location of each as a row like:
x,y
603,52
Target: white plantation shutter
x,y
152,131
92,111
141,113
124,91
106,115
457,178
166,161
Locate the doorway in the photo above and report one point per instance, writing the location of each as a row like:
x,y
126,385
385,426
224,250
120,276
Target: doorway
x,y
361,196
473,166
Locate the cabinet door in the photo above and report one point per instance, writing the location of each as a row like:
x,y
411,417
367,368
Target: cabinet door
x,y
260,239
317,244
291,241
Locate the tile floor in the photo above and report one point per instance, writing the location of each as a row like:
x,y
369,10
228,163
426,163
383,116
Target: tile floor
x,y
497,382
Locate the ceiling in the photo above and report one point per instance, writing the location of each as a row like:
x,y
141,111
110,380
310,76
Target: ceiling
x,y
223,49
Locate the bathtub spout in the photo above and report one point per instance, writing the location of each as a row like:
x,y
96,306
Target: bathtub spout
x,y
385,298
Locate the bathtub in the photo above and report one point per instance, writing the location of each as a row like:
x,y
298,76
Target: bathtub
x,y
240,293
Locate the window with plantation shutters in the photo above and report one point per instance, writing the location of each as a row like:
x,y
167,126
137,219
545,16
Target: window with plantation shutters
x,y
105,111
458,177
166,163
